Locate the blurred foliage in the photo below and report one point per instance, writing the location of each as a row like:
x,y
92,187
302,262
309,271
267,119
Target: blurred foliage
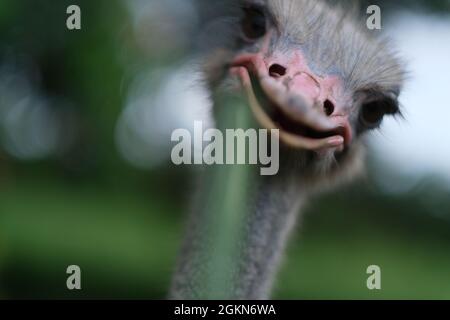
x,y
85,205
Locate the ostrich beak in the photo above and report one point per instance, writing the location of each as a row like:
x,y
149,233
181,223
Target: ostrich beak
x,y
301,125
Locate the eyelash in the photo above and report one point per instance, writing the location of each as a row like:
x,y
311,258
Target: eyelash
x,y
380,109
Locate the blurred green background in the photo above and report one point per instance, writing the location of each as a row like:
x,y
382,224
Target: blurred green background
x,y
79,184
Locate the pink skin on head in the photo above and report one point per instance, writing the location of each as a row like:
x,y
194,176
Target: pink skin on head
x,y
292,76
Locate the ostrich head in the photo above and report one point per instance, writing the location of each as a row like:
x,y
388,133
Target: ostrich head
x,y
314,72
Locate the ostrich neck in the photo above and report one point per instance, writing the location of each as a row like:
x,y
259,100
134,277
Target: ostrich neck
x,y
240,224
271,213
271,218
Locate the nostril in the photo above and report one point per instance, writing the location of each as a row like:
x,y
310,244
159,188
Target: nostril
x,y
277,70
328,107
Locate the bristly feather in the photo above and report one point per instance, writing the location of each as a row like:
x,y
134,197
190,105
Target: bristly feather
x,y
334,38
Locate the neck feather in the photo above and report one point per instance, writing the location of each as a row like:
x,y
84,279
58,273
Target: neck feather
x,y
238,230
272,208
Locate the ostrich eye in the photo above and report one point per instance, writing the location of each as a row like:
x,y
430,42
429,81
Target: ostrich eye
x,y
372,113
253,23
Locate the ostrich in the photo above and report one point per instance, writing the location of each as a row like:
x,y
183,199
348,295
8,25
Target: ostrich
x,y
314,72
